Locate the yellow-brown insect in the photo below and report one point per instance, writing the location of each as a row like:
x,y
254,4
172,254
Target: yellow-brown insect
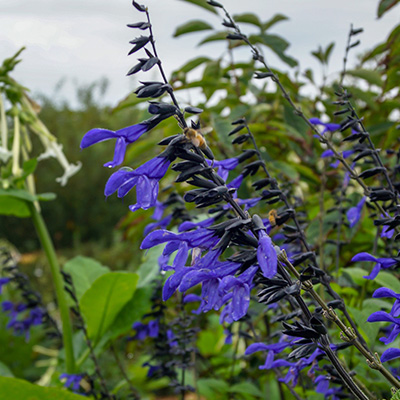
x,y
272,217
197,139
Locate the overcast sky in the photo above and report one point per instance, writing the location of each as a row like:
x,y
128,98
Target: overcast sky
x,y
84,40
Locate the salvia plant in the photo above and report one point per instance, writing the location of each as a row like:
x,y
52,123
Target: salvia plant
x,y
270,241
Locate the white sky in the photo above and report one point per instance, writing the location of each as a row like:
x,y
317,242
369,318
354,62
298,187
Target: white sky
x,y
84,40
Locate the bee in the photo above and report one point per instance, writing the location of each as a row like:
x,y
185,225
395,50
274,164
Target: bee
x,y
195,136
272,216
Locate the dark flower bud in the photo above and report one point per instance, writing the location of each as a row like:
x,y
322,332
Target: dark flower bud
x,y
263,75
237,129
138,7
241,139
139,25
235,36
371,172
193,110
139,42
215,3
238,121
246,155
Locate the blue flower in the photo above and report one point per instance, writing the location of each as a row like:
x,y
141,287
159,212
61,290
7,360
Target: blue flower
x,y
380,263
385,292
390,354
145,178
224,166
21,325
354,213
3,281
240,286
266,255
72,381
328,127
330,153
379,316
124,137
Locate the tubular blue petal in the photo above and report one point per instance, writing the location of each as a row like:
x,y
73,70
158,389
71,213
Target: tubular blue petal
x,y
254,347
392,336
395,311
382,316
157,237
133,132
117,179
385,292
390,354
240,301
266,256
97,135
364,257
119,153
374,272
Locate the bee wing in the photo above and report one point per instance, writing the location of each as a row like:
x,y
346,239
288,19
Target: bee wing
x,y
206,130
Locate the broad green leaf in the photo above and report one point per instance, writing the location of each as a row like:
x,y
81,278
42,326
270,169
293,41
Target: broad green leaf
x,y
372,77
246,388
102,302
192,64
274,20
192,26
18,389
386,279
202,4
356,274
149,268
248,18
84,271
13,206
18,194
294,121
210,388
370,329
133,311
385,5
5,371
214,37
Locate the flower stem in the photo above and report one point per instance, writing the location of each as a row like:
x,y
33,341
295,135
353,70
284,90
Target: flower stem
x,y
50,252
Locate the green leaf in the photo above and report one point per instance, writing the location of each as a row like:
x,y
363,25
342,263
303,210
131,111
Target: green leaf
x,y
328,52
5,371
356,274
386,279
360,316
192,64
84,271
294,121
18,194
192,26
18,389
214,37
385,5
29,167
210,388
202,4
246,388
149,268
274,20
372,77
248,18
13,206
46,196
133,311
104,300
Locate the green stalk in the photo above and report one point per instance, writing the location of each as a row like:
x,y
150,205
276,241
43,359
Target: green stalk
x,y
48,248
